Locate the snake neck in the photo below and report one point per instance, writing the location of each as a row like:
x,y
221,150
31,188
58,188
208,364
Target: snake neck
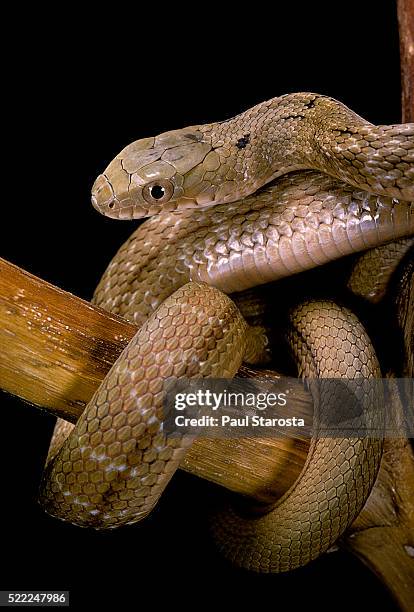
x,y
306,130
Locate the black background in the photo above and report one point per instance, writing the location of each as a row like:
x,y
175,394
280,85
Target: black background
x,y
77,90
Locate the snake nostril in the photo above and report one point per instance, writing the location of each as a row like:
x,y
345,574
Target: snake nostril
x,y
103,194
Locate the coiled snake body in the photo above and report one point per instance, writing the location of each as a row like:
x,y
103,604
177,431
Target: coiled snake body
x,y
346,186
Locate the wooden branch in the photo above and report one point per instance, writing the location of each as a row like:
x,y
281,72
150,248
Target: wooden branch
x,y
406,28
56,349
383,534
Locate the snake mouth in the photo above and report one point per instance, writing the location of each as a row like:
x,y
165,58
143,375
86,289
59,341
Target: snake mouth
x,y
128,205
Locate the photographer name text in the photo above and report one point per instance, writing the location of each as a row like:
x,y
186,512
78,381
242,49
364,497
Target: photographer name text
x,y
243,421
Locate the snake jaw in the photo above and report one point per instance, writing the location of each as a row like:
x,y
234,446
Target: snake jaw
x,y
131,205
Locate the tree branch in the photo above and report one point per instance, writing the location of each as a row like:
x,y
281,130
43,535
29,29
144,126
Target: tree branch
x,y
57,348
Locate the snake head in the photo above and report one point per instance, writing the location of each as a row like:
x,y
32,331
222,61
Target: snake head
x,y
152,175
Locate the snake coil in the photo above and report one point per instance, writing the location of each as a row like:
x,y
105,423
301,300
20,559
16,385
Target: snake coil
x,y
344,185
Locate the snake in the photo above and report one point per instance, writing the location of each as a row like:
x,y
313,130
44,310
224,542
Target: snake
x,y
288,185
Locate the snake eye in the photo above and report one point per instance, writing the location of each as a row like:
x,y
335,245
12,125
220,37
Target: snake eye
x,y
158,191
